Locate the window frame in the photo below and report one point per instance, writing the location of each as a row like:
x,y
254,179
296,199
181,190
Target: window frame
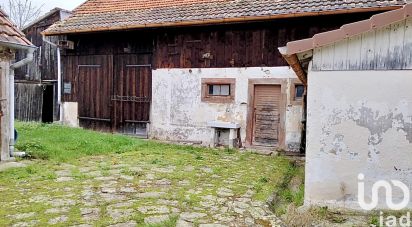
x,y
293,99
206,97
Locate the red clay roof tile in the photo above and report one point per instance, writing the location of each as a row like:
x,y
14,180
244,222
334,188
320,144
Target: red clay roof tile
x,y
9,32
104,15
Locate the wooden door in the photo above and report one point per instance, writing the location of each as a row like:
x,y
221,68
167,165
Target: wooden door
x,y
132,93
94,92
266,116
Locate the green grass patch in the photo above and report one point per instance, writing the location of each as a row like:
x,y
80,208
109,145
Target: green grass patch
x,y
60,143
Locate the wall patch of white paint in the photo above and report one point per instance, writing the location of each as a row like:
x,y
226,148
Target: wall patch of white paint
x,y
70,114
178,114
358,122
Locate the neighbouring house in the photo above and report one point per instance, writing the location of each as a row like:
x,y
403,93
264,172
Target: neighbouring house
x,y
36,86
359,108
204,72
11,41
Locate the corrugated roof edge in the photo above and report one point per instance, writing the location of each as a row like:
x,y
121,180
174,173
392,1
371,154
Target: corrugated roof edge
x,y
347,30
50,32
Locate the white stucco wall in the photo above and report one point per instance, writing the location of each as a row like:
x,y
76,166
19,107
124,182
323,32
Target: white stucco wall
x,y
71,114
178,114
5,108
358,122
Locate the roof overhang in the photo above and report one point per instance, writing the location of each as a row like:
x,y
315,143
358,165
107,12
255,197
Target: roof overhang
x,y
217,21
292,52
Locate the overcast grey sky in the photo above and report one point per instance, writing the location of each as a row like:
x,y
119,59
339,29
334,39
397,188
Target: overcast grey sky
x,y
50,4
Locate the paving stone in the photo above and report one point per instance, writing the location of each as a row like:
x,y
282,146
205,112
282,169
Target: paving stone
x,y
163,182
39,199
224,192
63,173
58,220
150,176
191,216
96,173
108,190
154,209
183,223
127,190
57,210
10,165
184,183
26,224
62,202
156,219
114,171
168,202
147,195
223,217
64,179
213,225
90,214
110,178
118,214
169,169
189,169
22,215
125,177
108,197
207,169
129,203
127,224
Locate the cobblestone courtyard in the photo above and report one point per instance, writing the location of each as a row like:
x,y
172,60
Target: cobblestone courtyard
x,y
163,186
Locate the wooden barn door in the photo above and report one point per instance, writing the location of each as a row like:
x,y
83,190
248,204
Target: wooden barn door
x,y
266,117
132,93
94,92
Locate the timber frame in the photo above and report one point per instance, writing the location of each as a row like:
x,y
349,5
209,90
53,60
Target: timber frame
x,y
283,101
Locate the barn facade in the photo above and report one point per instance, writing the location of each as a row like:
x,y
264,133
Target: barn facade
x,y
36,88
359,110
189,74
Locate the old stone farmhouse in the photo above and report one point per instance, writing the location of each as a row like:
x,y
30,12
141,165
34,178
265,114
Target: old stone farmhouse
x,y
205,72
11,41
359,108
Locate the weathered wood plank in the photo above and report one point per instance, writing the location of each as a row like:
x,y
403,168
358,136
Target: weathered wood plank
x,y
382,47
354,52
368,61
395,59
340,58
407,46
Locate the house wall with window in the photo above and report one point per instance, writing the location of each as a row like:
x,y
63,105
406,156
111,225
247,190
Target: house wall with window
x,y
186,100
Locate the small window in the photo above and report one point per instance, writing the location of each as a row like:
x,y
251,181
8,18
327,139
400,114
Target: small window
x,y
299,91
219,89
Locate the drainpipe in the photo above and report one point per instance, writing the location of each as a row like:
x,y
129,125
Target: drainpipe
x,y
29,58
59,79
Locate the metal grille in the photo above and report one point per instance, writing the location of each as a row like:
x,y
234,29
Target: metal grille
x,y
130,99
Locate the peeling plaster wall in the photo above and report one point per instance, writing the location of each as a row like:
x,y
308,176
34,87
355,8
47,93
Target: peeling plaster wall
x,y
179,115
358,122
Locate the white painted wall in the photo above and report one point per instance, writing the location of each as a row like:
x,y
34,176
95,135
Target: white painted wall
x,y
179,115
5,108
70,114
358,122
